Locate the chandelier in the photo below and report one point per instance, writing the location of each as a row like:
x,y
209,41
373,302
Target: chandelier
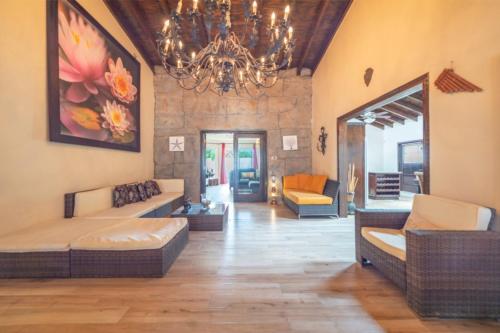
x,y
225,63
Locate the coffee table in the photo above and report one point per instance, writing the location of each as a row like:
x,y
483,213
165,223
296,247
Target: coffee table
x,y
212,219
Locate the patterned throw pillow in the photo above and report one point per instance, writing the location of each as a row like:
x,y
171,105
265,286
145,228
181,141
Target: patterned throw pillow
x,y
156,187
142,192
120,196
148,185
133,193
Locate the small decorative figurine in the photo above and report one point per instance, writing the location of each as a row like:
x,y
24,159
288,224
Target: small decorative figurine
x,y
321,146
187,205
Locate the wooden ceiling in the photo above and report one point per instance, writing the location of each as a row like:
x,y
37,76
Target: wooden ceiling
x,y
408,108
315,23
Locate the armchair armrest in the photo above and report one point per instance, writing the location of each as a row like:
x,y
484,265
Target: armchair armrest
x,y
394,219
453,273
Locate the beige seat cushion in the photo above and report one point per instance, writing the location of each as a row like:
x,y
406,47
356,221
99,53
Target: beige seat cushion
x,y
135,234
432,212
391,241
93,201
137,209
52,235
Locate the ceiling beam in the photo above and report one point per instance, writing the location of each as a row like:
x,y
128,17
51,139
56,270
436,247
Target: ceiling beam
x,y
417,101
400,112
312,32
378,125
386,122
408,106
322,49
125,24
394,117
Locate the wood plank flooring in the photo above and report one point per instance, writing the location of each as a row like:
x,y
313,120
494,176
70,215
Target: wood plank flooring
x,y
267,273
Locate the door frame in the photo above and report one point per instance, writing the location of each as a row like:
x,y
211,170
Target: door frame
x,y
342,135
263,161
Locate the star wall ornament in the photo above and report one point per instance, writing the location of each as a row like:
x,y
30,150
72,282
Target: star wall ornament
x,y
176,143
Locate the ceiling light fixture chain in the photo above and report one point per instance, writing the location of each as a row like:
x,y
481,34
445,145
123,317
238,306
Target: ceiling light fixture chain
x,y
225,63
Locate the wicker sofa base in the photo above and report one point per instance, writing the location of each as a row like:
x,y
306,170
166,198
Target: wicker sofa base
x,y
54,264
311,210
132,263
391,267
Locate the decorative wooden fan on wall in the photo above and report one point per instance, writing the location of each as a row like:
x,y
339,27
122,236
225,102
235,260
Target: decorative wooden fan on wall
x,y
450,82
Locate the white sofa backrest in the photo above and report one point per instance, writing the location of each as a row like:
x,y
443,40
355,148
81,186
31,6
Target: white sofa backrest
x,y
171,185
93,201
450,214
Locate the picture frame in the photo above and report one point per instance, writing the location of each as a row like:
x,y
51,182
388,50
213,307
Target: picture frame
x,y
93,82
290,142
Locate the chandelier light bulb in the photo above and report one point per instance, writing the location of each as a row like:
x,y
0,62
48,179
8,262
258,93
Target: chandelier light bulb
x,y
193,55
258,76
273,19
290,32
287,12
181,45
179,63
166,25
179,7
254,7
195,5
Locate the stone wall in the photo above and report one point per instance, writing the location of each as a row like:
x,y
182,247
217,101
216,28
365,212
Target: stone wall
x,y
284,109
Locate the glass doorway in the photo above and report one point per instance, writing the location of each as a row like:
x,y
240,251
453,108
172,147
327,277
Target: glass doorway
x,y
234,166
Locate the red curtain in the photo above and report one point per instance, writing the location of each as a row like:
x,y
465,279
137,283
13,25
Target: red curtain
x,y
222,177
255,162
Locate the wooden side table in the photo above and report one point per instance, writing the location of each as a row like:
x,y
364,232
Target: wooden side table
x,y
212,219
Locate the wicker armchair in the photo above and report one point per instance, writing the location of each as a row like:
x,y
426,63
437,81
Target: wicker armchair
x,y
452,274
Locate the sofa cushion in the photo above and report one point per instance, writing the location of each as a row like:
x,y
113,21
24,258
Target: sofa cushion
x,y
391,241
307,198
303,181
51,236
120,196
137,209
316,184
142,192
90,202
133,193
290,182
171,185
136,234
447,214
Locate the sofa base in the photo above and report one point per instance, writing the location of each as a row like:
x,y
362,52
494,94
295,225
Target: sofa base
x,y
28,265
132,263
391,267
312,210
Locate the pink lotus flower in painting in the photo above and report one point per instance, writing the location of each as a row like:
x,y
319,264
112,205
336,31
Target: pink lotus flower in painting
x,y
115,118
120,81
82,122
82,61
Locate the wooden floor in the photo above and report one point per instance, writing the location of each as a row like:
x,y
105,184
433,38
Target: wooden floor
x,y
267,273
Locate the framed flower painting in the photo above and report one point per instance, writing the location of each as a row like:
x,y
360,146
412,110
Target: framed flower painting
x,y
93,82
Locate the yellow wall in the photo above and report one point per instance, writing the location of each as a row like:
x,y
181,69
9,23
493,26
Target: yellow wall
x,y
402,40
35,173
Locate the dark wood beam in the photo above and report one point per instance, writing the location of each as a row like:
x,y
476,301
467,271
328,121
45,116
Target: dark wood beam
x,y
125,24
165,8
140,19
408,106
378,125
312,32
400,112
416,101
386,122
394,117
334,27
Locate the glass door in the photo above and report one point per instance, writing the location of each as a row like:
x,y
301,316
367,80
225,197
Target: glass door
x,y
250,167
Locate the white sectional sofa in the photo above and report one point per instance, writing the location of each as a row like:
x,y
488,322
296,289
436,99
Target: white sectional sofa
x,y
97,240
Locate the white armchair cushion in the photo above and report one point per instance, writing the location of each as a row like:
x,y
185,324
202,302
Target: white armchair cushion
x,y
432,212
93,201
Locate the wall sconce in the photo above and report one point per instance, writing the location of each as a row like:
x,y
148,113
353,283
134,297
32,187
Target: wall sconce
x,y
274,191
